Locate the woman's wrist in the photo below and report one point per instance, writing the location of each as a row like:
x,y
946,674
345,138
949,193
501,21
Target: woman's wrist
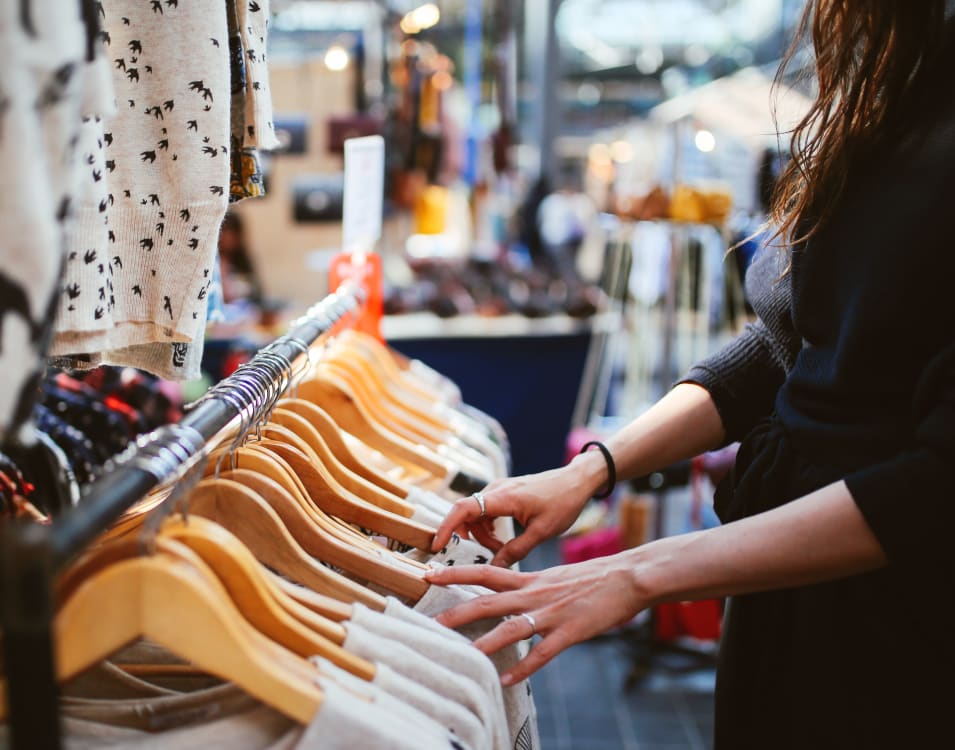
x,y
590,468
662,570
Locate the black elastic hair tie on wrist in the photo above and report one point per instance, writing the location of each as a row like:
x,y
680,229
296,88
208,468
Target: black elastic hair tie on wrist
x,y
611,468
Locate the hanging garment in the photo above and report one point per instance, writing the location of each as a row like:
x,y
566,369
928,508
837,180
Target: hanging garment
x,y
246,178
253,16
47,83
140,263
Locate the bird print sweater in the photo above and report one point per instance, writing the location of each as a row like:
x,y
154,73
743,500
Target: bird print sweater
x,y
139,265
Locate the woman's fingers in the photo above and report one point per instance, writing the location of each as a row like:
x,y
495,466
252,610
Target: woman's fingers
x,y
516,549
462,513
539,655
511,630
496,579
483,532
484,607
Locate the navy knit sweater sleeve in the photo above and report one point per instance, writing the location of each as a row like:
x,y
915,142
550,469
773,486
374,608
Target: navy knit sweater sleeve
x,y
744,377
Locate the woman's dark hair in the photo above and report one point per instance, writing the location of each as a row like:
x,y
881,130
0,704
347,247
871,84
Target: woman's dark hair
x,y
875,62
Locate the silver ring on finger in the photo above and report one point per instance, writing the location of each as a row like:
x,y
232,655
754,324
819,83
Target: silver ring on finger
x,y
531,622
479,496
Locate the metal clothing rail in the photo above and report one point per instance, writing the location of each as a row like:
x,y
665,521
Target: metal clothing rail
x,y
30,554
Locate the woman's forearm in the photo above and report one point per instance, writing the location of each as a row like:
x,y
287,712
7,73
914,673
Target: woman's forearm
x,y
820,537
683,424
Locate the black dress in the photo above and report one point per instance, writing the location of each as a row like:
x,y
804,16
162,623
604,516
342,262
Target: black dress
x,y
850,374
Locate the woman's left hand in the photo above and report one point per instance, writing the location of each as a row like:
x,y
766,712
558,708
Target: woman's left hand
x,y
568,604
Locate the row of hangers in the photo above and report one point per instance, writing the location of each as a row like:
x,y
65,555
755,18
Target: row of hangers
x,y
276,539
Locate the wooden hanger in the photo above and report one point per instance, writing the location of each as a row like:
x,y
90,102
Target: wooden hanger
x,y
264,531
260,599
360,556
383,369
311,601
265,606
323,460
405,410
175,604
350,480
259,454
335,397
313,542
330,433
389,361
327,607
335,500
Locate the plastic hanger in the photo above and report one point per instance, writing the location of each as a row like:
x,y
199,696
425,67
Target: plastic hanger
x,y
178,605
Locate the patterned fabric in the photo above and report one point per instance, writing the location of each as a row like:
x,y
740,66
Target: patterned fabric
x,y
246,178
254,27
45,86
140,263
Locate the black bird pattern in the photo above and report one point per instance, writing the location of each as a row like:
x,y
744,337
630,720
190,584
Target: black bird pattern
x,y
200,87
148,156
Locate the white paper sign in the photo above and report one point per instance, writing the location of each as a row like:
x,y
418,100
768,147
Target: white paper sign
x,y
364,193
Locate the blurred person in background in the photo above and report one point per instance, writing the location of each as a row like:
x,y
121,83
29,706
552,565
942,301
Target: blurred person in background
x,y
239,279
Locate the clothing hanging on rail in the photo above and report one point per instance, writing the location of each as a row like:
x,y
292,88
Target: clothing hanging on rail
x,y
50,79
298,621
140,259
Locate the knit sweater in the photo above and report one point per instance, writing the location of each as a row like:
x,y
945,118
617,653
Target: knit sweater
x,y
854,350
141,261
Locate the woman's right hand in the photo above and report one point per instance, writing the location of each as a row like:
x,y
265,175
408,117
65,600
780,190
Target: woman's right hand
x,y
545,504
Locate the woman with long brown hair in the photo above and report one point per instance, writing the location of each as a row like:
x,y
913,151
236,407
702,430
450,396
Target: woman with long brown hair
x,y
838,515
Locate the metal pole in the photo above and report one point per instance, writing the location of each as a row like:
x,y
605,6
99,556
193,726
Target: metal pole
x,y
27,621
542,62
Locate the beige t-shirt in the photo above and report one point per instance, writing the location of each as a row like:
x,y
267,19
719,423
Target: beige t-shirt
x,y
518,698
398,694
436,676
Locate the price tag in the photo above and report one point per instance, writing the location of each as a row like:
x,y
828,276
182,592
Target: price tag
x,y
364,193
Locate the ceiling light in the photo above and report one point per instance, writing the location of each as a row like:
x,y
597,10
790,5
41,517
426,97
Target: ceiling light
x,y
705,141
337,58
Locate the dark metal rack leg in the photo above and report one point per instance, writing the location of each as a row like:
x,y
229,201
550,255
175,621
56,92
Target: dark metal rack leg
x,y
27,616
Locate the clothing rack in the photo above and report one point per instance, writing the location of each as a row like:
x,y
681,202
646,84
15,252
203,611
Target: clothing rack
x,y
31,554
